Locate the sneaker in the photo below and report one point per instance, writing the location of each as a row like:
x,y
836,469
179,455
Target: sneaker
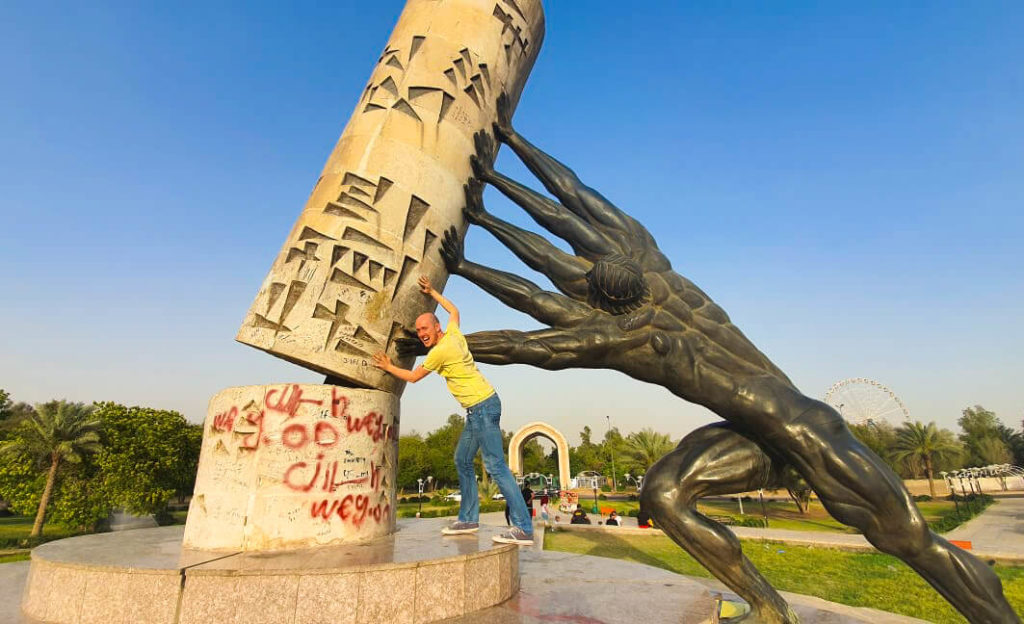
x,y
458,528
515,535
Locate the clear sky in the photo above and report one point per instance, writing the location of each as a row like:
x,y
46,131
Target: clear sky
x,y
845,179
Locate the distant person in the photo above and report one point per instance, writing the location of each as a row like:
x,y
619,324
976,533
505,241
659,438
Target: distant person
x,y
544,510
579,516
613,519
643,519
528,498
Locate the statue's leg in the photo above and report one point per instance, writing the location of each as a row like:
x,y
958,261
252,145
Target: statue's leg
x,y
566,272
859,490
714,460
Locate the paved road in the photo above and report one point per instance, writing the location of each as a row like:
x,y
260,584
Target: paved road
x,y
998,532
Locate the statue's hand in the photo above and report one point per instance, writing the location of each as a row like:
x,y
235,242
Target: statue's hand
x,y
474,210
451,250
483,161
503,125
411,345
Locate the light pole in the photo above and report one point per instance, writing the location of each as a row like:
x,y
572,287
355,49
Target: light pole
x,y
611,451
637,480
952,491
419,497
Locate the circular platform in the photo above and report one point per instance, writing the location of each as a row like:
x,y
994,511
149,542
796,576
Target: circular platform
x,y
414,575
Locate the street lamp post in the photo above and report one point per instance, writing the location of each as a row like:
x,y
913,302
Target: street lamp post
x,y
419,498
952,491
764,510
611,451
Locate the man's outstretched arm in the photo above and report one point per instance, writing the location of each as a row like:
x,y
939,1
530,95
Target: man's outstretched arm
x,y
383,362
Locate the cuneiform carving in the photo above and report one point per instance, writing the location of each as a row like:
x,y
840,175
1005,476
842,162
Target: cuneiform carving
x,y
512,29
392,184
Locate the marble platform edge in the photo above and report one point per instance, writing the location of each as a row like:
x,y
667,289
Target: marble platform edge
x,y
112,569
200,569
425,590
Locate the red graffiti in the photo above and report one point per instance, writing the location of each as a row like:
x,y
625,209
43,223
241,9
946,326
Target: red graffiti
x,y
339,405
290,402
295,436
373,424
354,508
252,439
324,434
225,421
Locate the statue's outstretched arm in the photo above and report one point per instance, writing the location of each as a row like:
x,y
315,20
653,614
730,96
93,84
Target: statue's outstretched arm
x,y
566,272
514,291
552,349
584,239
631,237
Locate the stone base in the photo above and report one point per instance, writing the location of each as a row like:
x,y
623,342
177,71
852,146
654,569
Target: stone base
x,y
138,576
414,575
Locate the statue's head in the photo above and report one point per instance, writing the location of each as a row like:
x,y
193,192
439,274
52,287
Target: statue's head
x,y
428,328
616,284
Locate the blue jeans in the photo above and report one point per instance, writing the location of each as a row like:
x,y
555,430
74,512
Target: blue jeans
x,y
482,432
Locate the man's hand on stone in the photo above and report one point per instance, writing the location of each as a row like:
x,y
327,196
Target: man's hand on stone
x,y
381,360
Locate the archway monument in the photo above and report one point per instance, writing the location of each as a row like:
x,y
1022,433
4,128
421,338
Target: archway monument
x,y
531,431
286,467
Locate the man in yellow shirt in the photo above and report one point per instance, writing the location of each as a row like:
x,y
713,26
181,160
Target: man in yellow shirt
x,y
449,356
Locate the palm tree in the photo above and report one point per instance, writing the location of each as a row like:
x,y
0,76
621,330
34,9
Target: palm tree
x,y
54,433
925,443
647,446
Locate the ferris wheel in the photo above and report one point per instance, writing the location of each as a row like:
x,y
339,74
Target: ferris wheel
x,y
864,401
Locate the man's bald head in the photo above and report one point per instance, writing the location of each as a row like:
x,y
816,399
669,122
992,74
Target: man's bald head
x,y
428,328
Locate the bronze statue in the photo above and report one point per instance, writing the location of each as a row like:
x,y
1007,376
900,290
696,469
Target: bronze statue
x,y
623,307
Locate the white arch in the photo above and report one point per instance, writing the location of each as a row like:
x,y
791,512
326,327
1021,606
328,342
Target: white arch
x,y
527,433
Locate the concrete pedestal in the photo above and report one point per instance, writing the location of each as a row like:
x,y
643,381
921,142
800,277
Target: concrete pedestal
x,y
294,466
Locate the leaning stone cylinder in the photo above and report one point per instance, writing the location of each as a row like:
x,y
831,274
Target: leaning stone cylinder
x,y
344,284
294,466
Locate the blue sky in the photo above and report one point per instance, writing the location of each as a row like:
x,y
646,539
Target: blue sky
x,y
845,179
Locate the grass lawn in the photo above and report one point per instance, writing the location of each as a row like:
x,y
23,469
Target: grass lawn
x,y
857,579
24,556
14,528
782,514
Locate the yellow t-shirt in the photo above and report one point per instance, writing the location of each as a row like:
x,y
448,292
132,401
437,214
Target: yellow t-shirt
x,y
451,359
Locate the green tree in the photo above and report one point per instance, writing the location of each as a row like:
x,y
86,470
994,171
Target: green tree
x,y
536,460
991,450
53,434
880,437
925,443
148,455
645,447
413,461
986,438
441,444
587,456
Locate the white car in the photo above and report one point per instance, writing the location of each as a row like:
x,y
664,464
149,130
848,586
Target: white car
x,y
454,496
498,496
